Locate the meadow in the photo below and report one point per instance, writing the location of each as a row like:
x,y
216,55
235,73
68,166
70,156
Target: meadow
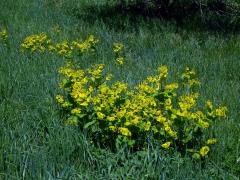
x,y
34,141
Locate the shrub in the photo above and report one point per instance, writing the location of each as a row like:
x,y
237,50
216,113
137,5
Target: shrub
x,y
213,13
149,114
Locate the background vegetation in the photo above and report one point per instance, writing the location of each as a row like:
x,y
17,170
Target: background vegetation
x,y
215,14
33,141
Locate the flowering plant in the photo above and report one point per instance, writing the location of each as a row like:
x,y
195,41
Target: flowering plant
x,y
151,113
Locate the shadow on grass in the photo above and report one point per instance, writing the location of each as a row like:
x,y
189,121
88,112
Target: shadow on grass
x,y
129,17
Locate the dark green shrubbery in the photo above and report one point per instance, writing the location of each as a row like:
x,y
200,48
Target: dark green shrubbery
x,y
213,4
215,12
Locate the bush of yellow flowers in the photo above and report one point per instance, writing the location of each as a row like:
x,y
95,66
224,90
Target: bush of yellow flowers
x,y
113,114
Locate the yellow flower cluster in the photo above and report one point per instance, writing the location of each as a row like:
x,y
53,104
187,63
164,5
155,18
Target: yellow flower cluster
x,y
166,145
36,42
151,107
204,150
63,48
40,42
86,45
211,141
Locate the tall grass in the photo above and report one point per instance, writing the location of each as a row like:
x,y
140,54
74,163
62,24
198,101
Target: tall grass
x,y
34,144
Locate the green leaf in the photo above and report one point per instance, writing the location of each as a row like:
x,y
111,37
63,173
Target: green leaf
x,y
89,124
81,115
131,142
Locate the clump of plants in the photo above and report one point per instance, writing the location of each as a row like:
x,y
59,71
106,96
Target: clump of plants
x,y
42,43
152,113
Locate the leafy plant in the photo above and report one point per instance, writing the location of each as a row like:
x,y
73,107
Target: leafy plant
x,y
149,114
152,113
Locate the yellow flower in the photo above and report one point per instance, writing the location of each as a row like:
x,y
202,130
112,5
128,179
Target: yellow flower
x,y
147,126
112,128
211,141
76,111
168,104
84,103
36,42
127,123
221,111
167,128
51,48
173,134
163,71
64,49
166,145
204,151
193,82
203,124
187,102
91,39
120,60
59,99
66,104
86,45
121,113
111,118
135,121
108,77
161,119
100,115
171,86
125,131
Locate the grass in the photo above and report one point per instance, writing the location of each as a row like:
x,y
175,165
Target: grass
x,y
34,144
